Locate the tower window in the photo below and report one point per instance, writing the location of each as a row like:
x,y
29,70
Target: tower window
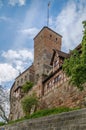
x,y
50,35
56,39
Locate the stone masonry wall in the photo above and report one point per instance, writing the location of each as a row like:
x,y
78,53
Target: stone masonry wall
x,y
44,43
61,93
75,120
65,95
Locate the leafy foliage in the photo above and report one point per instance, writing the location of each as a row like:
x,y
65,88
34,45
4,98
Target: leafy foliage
x,y
28,102
2,123
27,86
75,66
69,64
83,56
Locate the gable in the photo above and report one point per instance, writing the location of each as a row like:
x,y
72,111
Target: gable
x,y
58,55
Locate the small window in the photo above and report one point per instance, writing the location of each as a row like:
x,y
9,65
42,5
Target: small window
x,y
50,35
21,80
56,79
55,63
48,85
56,39
17,82
25,77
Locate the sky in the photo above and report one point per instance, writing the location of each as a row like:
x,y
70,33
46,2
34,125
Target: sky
x,y
21,20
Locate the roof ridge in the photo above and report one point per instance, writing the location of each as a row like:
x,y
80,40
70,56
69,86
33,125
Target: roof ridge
x,y
48,29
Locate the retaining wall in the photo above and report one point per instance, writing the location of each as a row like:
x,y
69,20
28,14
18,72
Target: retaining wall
x,y
75,120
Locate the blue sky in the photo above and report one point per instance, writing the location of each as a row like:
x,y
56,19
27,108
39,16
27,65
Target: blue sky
x,y
21,20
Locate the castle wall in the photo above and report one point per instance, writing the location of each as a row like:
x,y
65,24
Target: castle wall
x,y
61,93
50,83
16,94
27,75
16,111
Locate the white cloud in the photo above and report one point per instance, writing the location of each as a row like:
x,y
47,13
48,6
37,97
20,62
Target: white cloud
x,y
19,2
15,61
18,54
30,32
69,23
22,2
7,72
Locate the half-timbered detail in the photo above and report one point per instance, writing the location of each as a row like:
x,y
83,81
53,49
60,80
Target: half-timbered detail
x,y
50,82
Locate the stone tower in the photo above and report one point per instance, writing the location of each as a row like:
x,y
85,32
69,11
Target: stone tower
x,y
44,42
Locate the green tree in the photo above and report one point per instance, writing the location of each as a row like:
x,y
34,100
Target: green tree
x,y
75,66
71,62
83,56
28,102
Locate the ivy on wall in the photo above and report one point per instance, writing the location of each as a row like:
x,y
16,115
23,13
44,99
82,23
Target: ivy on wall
x,y
27,86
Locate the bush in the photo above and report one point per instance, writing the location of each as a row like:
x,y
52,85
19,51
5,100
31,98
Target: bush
x,y
28,102
27,86
2,123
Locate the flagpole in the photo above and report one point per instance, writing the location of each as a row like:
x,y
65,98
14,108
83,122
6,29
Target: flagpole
x,y
48,14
